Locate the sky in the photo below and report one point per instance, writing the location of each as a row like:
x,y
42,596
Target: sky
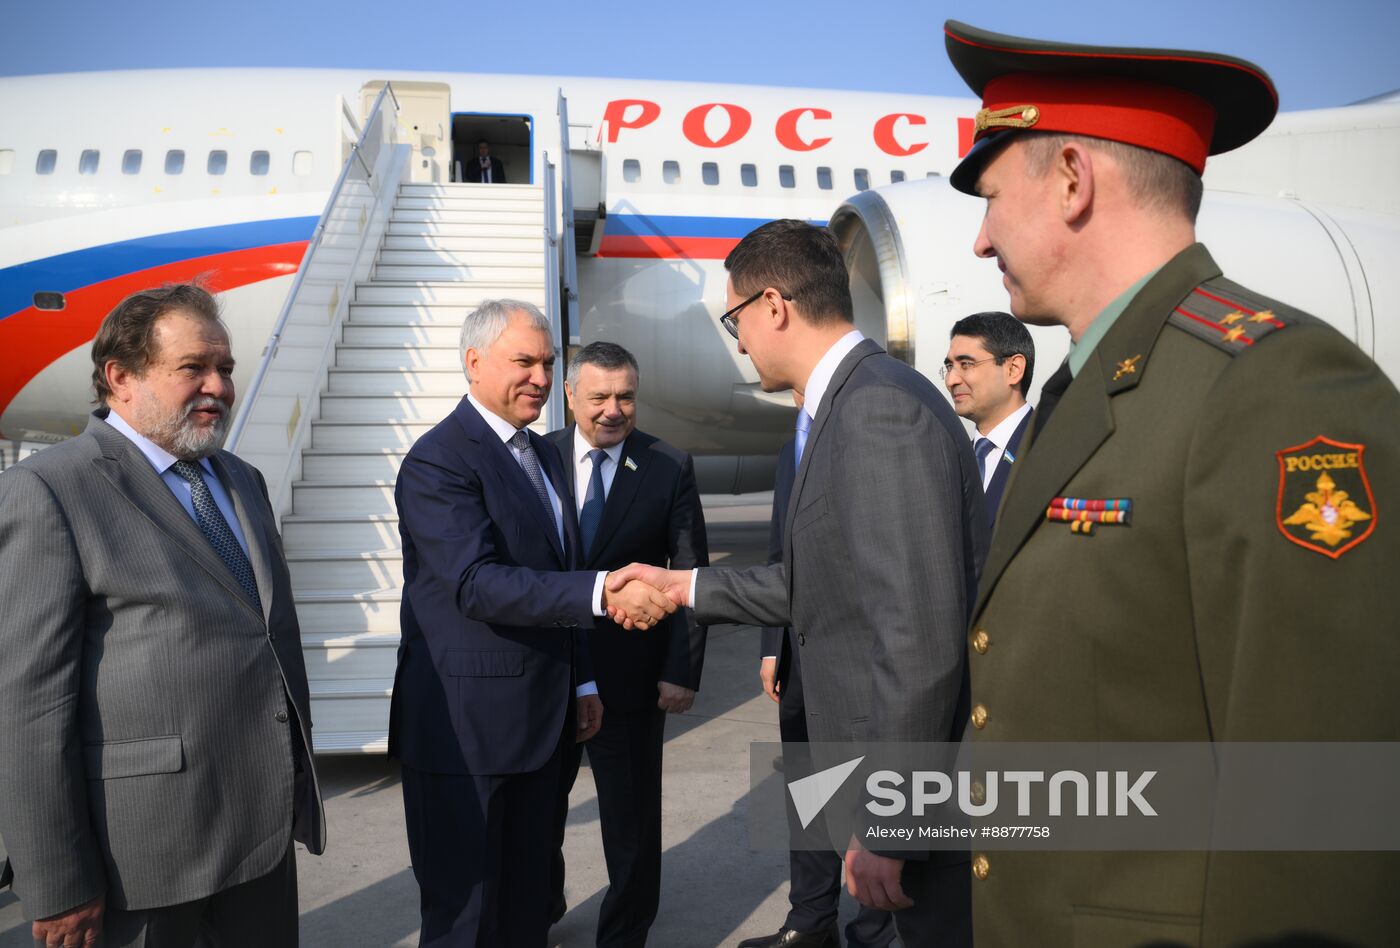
x,y
1320,53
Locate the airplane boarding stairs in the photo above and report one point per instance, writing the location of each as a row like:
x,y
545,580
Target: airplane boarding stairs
x,y
395,373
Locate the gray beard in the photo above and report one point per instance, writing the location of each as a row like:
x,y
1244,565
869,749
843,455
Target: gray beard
x,y
176,432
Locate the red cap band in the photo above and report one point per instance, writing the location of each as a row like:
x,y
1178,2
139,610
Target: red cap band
x,y
1157,117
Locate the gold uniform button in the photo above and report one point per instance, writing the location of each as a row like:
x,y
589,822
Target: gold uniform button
x,y
979,717
981,868
978,793
980,641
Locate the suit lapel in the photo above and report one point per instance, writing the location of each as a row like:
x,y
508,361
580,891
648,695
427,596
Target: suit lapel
x,y
864,350
1083,420
245,506
620,497
131,475
568,513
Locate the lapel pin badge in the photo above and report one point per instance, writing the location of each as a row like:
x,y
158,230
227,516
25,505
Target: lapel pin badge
x,y
630,464
1127,367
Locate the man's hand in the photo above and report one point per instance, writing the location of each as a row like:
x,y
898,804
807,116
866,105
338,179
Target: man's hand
x,y
874,880
768,674
590,717
674,583
79,927
634,604
676,699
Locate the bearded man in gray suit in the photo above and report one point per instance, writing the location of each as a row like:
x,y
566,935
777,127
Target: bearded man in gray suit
x,y
884,536
155,750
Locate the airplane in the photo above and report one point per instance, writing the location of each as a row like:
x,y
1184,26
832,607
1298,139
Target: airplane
x,y
329,211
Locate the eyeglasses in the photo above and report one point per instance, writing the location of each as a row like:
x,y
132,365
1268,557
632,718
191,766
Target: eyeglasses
x,y
729,320
964,365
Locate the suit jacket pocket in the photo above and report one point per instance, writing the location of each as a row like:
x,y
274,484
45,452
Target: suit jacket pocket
x,y
494,663
134,758
1096,927
809,514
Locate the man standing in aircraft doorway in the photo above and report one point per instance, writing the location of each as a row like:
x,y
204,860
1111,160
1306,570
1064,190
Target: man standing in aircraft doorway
x,y
1192,548
881,550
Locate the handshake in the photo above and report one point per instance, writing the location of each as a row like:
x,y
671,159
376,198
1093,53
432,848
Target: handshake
x,y
640,596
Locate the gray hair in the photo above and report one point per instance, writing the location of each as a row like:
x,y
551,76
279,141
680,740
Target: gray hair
x,y
484,325
605,355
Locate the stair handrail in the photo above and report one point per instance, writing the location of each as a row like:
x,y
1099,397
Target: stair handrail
x,y
554,407
269,352
568,253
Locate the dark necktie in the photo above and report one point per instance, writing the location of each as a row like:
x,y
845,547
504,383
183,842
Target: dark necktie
x,y
982,447
1050,394
591,515
804,425
531,463
486,171
216,529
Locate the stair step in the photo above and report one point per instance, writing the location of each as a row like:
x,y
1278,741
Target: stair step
x,y
357,356
431,311
532,229
368,435
344,613
534,216
364,332
351,742
503,191
496,243
455,273
352,571
439,257
467,295
361,381
473,203
305,532
357,705
396,406
350,656
367,498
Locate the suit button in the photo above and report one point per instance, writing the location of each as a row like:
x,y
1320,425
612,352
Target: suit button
x,y
802,638
981,868
978,793
281,716
979,717
980,641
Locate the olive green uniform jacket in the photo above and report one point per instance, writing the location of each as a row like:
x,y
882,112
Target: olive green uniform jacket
x,y
1209,617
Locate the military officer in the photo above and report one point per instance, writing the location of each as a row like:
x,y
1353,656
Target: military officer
x,y
1192,548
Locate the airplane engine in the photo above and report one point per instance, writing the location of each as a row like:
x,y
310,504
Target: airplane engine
x,y
909,249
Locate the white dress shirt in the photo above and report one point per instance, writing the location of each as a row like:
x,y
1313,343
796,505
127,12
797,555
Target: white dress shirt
x,y
1000,436
583,467
505,431
162,460
812,393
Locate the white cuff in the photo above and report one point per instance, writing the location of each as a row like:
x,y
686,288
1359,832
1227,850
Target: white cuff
x,y
586,689
769,658
598,609
694,575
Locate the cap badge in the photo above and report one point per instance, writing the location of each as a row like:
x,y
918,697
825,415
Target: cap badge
x,y
1018,116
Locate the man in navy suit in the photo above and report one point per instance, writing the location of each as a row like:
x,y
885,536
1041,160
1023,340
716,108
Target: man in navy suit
x,y
486,168
988,372
637,502
494,683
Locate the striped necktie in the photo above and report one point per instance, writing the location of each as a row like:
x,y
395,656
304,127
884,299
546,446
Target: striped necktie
x,y
216,529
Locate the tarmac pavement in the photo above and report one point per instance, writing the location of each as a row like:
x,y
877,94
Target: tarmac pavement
x,y
714,890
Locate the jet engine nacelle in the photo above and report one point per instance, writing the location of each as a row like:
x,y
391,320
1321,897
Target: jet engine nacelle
x,y
909,249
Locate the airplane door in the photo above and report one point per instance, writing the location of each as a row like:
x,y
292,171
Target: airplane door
x,y
425,115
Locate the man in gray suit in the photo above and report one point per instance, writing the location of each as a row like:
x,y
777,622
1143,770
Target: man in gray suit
x,y
884,535
155,751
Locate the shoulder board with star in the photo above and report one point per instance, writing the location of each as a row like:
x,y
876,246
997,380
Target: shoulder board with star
x,y
1230,317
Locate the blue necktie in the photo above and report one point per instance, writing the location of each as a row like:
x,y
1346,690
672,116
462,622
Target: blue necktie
x,y
982,447
531,463
804,424
216,529
591,515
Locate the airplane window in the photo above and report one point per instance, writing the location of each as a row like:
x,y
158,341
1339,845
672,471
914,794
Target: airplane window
x,y
218,162
896,177
933,174
824,178
47,159
709,172
670,171
7,160
259,163
862,179
174,161
131,161
631,169
748,176
87,161
785,176
301,163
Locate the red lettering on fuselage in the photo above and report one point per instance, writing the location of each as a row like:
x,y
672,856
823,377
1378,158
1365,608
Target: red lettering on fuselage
x,y
693,127
884,134
786,130
615,115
